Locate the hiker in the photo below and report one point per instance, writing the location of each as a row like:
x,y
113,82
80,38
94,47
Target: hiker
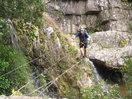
x,y
83,37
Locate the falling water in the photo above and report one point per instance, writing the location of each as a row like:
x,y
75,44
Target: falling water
x,y
12,33
97,77
94,71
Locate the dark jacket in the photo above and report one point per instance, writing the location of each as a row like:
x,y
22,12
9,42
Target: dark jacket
x,y
83,37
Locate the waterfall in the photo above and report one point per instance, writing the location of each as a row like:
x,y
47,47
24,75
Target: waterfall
x,y
12,33
97,77
94,71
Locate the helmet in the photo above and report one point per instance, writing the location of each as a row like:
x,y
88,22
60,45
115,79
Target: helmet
x,y
82,29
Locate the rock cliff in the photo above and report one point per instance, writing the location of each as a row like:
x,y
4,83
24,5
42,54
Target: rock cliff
x,y
109,19
96,15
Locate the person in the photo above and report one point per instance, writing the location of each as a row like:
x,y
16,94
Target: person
x,y
83,37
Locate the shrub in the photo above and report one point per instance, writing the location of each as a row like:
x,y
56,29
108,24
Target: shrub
x,y
96,92
10,59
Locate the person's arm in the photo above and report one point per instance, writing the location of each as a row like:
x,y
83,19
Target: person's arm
x,y
76,35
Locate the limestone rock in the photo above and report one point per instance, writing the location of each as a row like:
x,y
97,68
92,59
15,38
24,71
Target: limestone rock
x,y
107,49
75,8
49,31
112,58
110,14
57,43
112,38
92,7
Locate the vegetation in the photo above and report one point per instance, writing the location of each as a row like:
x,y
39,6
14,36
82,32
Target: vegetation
x,y
122,41
27,10
127,70
103,45
27,18
20,12
97,92
10,59
130,25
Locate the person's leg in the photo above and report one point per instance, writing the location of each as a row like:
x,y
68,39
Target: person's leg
x,y
82,51
85,49
85,52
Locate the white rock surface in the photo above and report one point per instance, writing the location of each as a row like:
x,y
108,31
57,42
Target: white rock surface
x,y
49,31
110,53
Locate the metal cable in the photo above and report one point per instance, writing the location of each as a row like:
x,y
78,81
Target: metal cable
x,y
20,67
39,75
53,81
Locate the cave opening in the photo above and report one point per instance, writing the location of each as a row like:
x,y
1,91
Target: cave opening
x,y
110,76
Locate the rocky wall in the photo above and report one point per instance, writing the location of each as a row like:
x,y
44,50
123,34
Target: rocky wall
x,y
106,14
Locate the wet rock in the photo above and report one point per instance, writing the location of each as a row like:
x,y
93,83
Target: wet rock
x,y
49,31
57,43
85,81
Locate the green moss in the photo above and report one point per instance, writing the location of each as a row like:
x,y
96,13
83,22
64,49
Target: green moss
x,y
130,25
127,71
103,45
67,84
54,36
31,31
122,41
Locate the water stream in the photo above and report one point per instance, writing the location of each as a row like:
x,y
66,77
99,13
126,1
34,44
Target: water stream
x,y
12,33
14,43
109,76
94,71
97,77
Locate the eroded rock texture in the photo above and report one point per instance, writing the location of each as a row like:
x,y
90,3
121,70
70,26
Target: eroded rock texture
x,y
110,48
96,15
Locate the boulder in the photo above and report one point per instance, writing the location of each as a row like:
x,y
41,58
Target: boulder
x,y
92,7
112,38
108,48
113,57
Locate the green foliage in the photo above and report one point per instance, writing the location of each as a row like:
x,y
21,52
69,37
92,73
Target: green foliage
x,y
42,81
15,93
20,12
122,41
29,10
30,30
17,78
10,59
5,52
70,50
103,45
4,83
127,70
130,25
96,92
